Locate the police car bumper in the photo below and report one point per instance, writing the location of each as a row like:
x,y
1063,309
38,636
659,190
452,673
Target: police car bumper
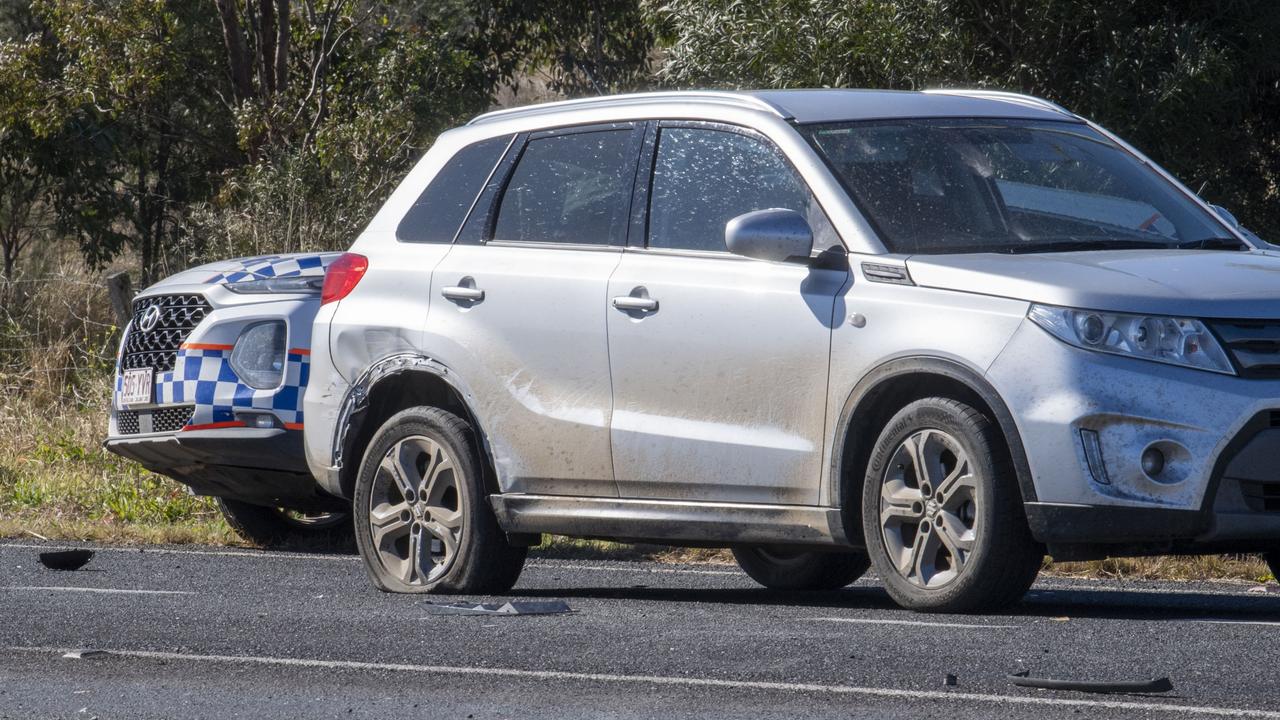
x,y
259,465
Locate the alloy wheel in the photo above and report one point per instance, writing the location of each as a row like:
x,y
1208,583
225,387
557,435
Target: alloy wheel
x,y
929,509
415,510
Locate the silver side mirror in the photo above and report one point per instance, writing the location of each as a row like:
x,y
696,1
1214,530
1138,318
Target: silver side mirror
x,y
1226,215
774,234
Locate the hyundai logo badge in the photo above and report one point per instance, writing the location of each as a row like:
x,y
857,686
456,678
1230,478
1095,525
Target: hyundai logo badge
x,y
150,319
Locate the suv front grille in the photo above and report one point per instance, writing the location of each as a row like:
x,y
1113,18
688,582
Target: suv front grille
x,y
1261,497
127,422
158,347
166,419
1253,344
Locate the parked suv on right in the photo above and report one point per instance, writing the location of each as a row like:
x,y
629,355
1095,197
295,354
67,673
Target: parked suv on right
x,y
935,333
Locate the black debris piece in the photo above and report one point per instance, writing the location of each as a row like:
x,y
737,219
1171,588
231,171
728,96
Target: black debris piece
x,y
950,680
84,654
1159,685
65,559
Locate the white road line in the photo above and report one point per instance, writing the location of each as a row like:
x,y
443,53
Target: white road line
x,y
913,623
670,681
111,591
1239,622
146,550
273,555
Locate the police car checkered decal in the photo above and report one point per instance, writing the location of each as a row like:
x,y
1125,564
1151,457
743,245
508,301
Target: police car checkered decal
x,y
275,266
204,377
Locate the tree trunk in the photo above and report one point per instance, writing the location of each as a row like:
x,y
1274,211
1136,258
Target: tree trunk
x,y
282,45
10,258
237,51
269,34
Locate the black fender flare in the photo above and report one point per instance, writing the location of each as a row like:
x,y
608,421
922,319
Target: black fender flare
x,y
865,391
356,400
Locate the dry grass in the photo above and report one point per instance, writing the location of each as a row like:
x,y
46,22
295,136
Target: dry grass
x,y
57,347
1247,568
56,480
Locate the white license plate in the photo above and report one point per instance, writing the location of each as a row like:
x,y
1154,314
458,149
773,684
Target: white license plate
x,y
136,386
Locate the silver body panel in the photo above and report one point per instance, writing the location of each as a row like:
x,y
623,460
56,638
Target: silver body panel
x,y
537,361
692,420
722,409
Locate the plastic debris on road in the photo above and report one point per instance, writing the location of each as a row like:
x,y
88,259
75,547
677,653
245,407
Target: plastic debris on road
x,y
515,607
84,654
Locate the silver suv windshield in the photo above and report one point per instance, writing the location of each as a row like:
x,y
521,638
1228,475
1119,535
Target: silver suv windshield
x,y
937,186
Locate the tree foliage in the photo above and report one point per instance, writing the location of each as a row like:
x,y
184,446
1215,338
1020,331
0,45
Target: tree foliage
x,y
1196,85
178,130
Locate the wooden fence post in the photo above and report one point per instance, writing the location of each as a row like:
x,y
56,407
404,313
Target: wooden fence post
x,y
120,288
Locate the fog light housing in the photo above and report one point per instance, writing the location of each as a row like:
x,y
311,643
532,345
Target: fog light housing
x,y
1153,461
258,356
259,420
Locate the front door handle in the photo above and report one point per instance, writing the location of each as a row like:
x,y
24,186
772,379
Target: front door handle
x,y
631,303
462,293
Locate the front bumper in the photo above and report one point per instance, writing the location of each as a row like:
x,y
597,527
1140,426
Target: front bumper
x,y
1220,434
264,466
195,429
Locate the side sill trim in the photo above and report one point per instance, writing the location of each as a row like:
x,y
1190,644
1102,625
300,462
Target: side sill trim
x,y
722,524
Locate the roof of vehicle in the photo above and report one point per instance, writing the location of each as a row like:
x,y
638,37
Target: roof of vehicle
x,y
823,105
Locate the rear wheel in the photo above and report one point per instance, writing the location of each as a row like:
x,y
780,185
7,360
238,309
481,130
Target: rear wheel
x,y
782,568
423,521
942,514
282,527
1273,562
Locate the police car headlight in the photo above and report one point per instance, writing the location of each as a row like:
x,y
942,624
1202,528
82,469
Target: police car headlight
x,y
258,358
309,285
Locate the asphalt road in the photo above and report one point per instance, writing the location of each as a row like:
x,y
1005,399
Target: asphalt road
x,y
209,633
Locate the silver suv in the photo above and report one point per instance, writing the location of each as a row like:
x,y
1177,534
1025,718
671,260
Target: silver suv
x,y
935,333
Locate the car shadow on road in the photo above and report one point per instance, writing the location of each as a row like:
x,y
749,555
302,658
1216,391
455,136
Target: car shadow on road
x,y
1141,604
1118,604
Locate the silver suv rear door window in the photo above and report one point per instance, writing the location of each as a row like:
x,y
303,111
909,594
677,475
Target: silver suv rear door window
x,y
570,188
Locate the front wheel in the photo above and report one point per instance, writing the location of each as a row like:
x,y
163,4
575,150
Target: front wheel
x,y
423,522
781,568
941,512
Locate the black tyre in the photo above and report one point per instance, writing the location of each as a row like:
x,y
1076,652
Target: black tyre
x,y
281,527
941,512
422,518
1273,562
783,568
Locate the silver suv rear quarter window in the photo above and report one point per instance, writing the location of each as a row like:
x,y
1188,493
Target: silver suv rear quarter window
x,y
443,205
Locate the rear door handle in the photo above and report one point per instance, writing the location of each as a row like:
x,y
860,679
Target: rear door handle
x,y
631,303
463,294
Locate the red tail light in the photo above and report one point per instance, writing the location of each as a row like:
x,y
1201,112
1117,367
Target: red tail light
x,y
342,277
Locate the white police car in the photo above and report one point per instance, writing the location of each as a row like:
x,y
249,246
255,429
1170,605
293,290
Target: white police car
x,y
208,391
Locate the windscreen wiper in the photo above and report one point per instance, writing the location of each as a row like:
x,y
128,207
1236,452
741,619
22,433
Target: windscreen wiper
x,y
1083,245
1213,243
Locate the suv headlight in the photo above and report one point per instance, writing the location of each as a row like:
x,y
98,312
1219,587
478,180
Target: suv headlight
x,y
1172,340
258,357
309,285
